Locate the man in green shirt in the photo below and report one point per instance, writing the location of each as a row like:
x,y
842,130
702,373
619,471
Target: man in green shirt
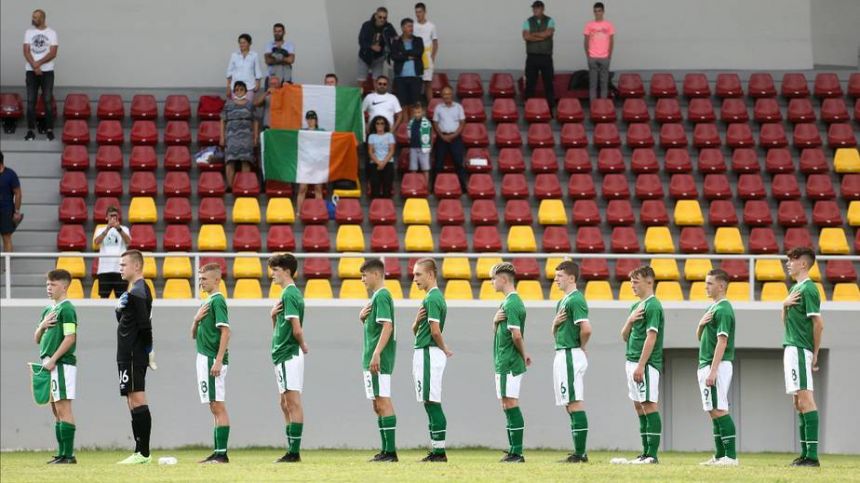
x,y
509,356
571,331
56,335
211,330
643,334
801,319
288,351
380,347
716,334
431,353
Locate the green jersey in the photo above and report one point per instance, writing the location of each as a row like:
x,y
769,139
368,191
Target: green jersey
x,y
798,325
505,355
67,324
284,345
436,308
722,323
576,312
209,328
381,312
652,320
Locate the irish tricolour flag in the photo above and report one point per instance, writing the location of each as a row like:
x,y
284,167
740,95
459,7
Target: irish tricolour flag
x,y
338,108
309,157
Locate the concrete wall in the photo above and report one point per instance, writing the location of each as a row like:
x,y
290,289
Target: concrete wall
x,y
835,36
337,415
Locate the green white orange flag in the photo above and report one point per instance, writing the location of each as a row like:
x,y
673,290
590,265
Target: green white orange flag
x,y
309,157
338,108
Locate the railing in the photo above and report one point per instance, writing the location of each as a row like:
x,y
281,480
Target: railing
x,y
8,256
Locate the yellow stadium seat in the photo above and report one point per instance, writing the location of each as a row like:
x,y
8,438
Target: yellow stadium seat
x,y
350,238
728,240
150,267
832,241
669,292
142,210
349,267
847,160
75,265
94,291
626,291
738,292
247,267
151,287
416,293
352,289
275,290
488,292
774,292
769,271
846,292
530,290
555,293
658,239
815,273
419,239
75,290
485,264
246,210
247,288
598,290
211,238
854,213
551,263
222,289
99,228
521,238
697,292
416,211
177,267
552,212
665,269
318,288
688,213
394,287
821,292
344,193
696,269
458,290
280,211
177,288
456,268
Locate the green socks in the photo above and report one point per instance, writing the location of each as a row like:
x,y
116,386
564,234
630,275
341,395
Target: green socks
x,y
516,427
387,425
718,440
438,426
579,431
654,428
802,434
643,432
66,433
294,437
811,420
727,434
222,433
59,440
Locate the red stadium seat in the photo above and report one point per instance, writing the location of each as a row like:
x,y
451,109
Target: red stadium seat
x,y
481,186
682,186
624,240
581,186
624,266
486,239
505,110
177,183
761,85
618,212
794,85
569,110
473,109
606,136
75,157
452,239
630,85
711,160
511,160
211,183
722,213
589,240
431,108
819,187
212,210
209,107
778,160
850,187
751,187
767,110
806,136
649,187
76,131
277,189
110,107
577,160
644,161
281,238
801,110
383,238
673,135
143,183
72,238
544,160
734,110
109,132
707,135
315,268
784,187
602,110
763,240
478,160
439,82
834,110
701,110
857,242
11,106
177,107
109,158
827,85
177,238
796,237
717,187
177,133
677,160
738,270
663,85
739,135
639,135
177,210
450,211
791,213
594,269
349,210
208,133
539,135
414,185
610,160
635,110
812,161
76,106
693,240
484,212
854,85
447,185
143,106
246,184
247,238
841,135
757,213
837,271
586,212
475,135
382,212
177,158
502,85
73,210
142,158
41,112
469,85
547,186
667,110
101,206
537,110
514,185
144,133
108,183
393,271
745,160
555,239
615,186
696,85
143,238
826,213
314,211
518,212
729,85
508,135
573,136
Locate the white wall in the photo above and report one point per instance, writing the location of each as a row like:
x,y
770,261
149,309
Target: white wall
x,y
835,32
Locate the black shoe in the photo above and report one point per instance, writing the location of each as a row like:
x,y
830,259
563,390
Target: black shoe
x,y
289,458
207,459
808,462
71,460
575,458
513,458
54,460
30,136
387,458
435,458
376,457
49,135
218,458
797,460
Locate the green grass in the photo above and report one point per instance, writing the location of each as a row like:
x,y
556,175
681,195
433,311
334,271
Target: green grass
x,y
465,465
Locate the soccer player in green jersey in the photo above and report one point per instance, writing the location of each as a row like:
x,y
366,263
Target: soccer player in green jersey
x,y
431,353
716,334
56,336
801,318
643,334
211,330
571,331
288,351
380,347
509,357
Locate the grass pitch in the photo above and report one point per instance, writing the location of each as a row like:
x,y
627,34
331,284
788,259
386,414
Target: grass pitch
x,y
464,465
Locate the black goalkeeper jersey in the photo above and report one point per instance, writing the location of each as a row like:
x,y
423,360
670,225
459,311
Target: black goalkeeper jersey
x,y
134,329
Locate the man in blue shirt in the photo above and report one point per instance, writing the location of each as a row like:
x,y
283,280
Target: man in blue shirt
x,y
10,204
406,52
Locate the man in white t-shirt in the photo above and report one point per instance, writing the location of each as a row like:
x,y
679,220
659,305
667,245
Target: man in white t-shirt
x,y
112,241
427,31
381,103
449,121
40,49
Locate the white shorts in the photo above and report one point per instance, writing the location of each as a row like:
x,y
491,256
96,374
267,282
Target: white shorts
x,y
290,374
508,385
63,381
716,396
428,72
428,366
568,372
797,365
647,390
377,385
210,388
419,160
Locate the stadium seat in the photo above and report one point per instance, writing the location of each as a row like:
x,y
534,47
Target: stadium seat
x,y
177,107
246,210
143,106
539,135
414,185
589,239
74,183
318,288
688,213
521,238
246,184
247,288
832,241
502,85
210,183
762,240
76,106
177,238
11,107
177,158
697,292
728,240
569,109
717,186
610,160
484,212
847,160
110,132
544,160
846,292
796,237
348,210
649,187
606,136
678,160
208,133
507,135
738,292
76,131
178,267
722,213
211,238
439,82
745,160
73,263
142,158
635,110
447,185
552,262
526,268
511,160
800,110
696,85
314,211
841,135
393,271
73,210
615,186
504,110
478,160
177,133
458,290
827,85
696,269
211,109
579,186
834,110
683,187
418,239
665,269
143,238
585,212
469,85
773,292
109,158
772,135
653,213
177,288
618,212
473,109
453,239
350,238
761,84
486,239
630,85
854,85
349,267
739,135
734,110
247,238
826,213
850,186
669,291
484,265
590,269
701,110
838,271
110,106
475,135
706,135
785,187
767,110
514,185
394,288
75,157
518,212
598,290
658,239
142,183
488,292
672,135
142,210
457,268
729,85
602,110
806,136
177,210
537,110
108,183
819,187
667,110
751,187
382,210
573,136
555,239
711,160
663,85
623,267
529,290
794,85
769,271
854,213
450,212
281,238
643,161
757,213
212,210
639,135
815,273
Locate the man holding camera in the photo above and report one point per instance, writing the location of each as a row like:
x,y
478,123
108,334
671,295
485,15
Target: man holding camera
x,y
112,240
280,55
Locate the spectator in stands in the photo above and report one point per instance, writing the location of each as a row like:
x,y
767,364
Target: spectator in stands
x,y
244,67
427,31
40,49
381,103
380,170
273,84
449,119
312,124
239,132
280,55
374,42
112,241
538,31
10,204
406,52
599,42
420,130
330,79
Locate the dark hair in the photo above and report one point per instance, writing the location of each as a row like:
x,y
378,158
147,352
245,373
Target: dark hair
x,y
279,24
60,275
599,5
240,84
405,21
429,264
135,255
1,157
382,9
211,267
285,261
331,74
569,268
246,37
418,105
506,268
373,265
799,252
421,6
111,210
373,125
383,77
719,274
644,271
